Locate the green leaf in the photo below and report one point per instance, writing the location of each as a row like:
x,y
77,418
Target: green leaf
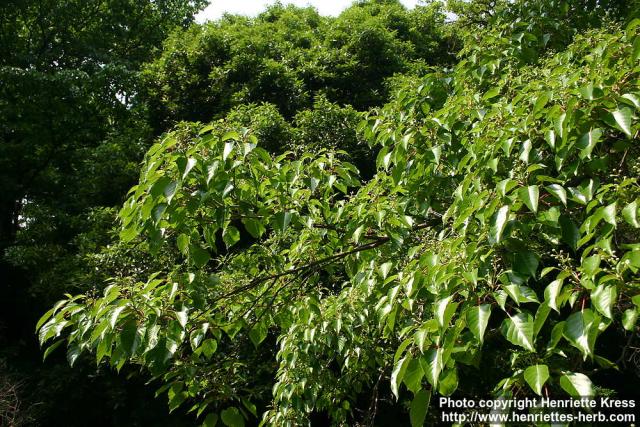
x,y
44,318
449,382
578,331
550,137
51,348
230,236
230,135
540,318
209,347
603,299
525,151
608,213
254,227
588,141
629,318
559,125
250,406
432,365
398,374
478,319
529,196
385,269
176,400
130,338
491,93
541,101
520,293
231,417
419,408
436,152
384,158
258,333
170,190
635,53
444,311
183,243
190,163
576,385
631,99
518,330
199,256
499,223
558,192
211,420
630,214
197,335
587,91
282,220
205,129
413,376
570,232
536,376
622,116
526,263
591,265
228,148
551,293
182,316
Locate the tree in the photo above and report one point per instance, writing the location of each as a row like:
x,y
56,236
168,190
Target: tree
x,y
63,66
493,252
72,132
288,56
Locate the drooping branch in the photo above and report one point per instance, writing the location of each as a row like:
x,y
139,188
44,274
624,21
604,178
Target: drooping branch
x,y
321,262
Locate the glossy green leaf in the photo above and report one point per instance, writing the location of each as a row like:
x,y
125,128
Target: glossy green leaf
x,y
536,376
398,374
518,329
529,196
622,117
604,298
577,385
258,333
499,223
588,141
570,232
558,192
478,319
551,293
432,365
449,382
413,376
579,331
630,214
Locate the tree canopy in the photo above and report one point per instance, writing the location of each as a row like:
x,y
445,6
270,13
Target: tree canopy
x,y
287,56
494,252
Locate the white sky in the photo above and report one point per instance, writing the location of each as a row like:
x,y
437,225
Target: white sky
x,y
253,7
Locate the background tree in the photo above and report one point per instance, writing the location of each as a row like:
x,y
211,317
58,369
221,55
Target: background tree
x,y
72,131
287,56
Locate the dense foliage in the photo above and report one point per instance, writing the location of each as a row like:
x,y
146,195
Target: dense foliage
x,y
288,56
72,133
86,86
495,251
